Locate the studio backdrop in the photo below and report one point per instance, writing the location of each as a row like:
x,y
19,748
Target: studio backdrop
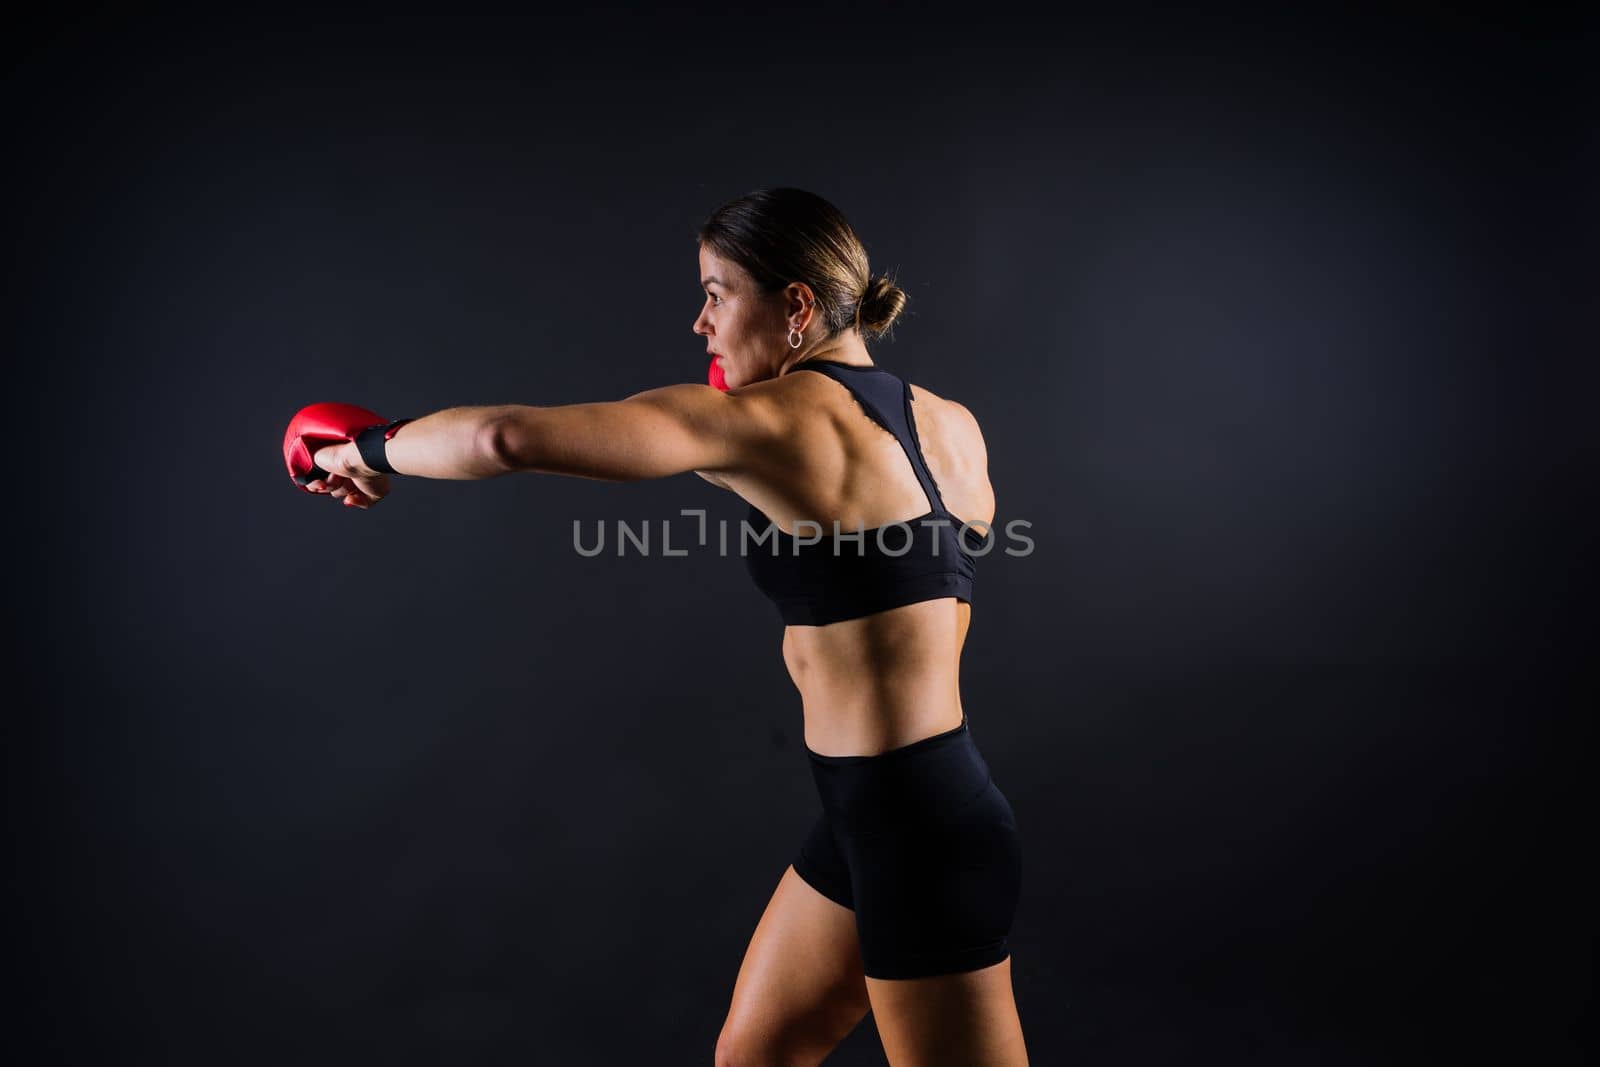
x,y
1269,374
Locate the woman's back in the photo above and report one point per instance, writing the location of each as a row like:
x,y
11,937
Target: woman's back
x,y
881,680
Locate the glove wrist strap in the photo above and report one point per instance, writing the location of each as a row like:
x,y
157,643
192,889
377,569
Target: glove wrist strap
x,y
372,444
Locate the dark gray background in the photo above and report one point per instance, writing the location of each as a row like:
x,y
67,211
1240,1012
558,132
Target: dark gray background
x,y
1272,337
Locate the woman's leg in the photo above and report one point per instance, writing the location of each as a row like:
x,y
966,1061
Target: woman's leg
x,y
954,1020
800,989
935,892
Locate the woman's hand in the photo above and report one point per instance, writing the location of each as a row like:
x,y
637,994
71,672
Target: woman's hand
x,y
349,479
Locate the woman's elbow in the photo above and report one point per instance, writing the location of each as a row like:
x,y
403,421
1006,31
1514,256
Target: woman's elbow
x,y
562,441
505,445
534,440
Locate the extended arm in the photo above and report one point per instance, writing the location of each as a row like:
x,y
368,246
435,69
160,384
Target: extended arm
x,y
453,443
653,434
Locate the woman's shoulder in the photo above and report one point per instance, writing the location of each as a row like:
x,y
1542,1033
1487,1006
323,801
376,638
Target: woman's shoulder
x,y
956,421
954,449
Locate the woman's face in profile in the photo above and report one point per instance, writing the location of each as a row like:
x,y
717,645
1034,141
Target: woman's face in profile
x,y
740,326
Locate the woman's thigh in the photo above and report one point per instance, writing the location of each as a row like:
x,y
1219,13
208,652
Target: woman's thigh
x,y
936,893
935,902
800,989
952,1020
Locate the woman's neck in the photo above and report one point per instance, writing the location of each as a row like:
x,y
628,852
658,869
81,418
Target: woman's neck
x,y
846,348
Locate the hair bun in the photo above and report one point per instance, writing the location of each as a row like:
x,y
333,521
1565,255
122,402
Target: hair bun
x,y
880,305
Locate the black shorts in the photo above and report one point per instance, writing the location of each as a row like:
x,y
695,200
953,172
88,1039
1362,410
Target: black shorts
x,y
923,847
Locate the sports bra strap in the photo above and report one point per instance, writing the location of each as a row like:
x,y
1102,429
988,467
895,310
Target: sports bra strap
x,y
887,399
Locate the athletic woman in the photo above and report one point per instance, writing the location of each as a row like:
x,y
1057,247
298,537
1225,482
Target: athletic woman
x,y
900,899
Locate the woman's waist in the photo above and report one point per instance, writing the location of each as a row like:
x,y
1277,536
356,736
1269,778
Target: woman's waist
x,y
873,684
863,717
929,781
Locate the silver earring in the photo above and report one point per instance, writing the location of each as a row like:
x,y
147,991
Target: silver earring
x,y
795,338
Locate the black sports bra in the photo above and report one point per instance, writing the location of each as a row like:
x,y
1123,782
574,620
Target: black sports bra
x,y
817,579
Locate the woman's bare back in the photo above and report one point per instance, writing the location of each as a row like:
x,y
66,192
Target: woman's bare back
x,y
884,680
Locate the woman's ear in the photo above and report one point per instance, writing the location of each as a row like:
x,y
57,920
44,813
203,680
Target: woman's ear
x,y
799,305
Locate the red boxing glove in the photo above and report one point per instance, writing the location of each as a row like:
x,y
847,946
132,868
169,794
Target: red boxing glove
x,y
319,425
715,377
